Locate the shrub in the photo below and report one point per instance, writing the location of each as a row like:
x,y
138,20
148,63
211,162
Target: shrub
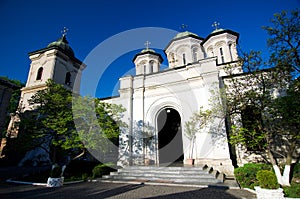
x,y
77,168
246,175
267,179
296,170
293,191
102,169
84,176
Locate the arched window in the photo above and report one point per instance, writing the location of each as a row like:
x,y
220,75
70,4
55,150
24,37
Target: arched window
x,y
172,58
222,55
195,55
68,78
230,51
39,73
151,65
183,59
210,52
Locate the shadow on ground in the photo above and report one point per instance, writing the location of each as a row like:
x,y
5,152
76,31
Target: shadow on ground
x,y
110,190
210,192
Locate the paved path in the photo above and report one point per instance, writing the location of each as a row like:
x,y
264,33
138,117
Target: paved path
x,y
112,190
109,190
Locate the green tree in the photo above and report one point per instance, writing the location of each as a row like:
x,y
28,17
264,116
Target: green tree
x,y
98,124
54,124
14,101
15,97
196,124
271,95
284,40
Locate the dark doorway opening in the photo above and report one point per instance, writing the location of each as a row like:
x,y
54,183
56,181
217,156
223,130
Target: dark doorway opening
x,y
169,137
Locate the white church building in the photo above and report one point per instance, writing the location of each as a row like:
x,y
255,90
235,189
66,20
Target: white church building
x,y
158,102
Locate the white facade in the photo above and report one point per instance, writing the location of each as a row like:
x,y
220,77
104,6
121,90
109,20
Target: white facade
x,y
195,68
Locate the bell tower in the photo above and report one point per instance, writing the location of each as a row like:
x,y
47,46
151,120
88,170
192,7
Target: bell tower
x,y
56,62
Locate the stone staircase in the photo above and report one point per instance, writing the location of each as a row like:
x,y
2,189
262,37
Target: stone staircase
x,y
175,175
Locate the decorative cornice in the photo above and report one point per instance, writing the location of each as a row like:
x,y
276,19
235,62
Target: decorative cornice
x,y
56,48
219,33
148,52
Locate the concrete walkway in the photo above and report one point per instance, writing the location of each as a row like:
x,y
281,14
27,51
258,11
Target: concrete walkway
x,y
110,190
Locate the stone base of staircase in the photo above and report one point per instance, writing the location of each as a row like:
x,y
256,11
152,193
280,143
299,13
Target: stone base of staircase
x,y
202,176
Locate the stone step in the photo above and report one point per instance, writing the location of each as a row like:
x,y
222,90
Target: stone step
x,y
175,172
165,174
144,168
161,177
185,175
165,179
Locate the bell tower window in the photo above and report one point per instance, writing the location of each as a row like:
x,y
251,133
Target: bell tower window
x,y
68,78
183,59
222,55
151,65
194,55
230,51
39,73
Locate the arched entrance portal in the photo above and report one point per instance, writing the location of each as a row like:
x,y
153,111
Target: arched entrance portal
x,y
169,137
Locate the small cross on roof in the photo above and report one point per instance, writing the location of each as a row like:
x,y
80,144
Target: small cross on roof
x,y
216,25
64,31
147,44
183,27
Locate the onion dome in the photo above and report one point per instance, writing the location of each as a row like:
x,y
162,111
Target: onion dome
x,y
185,34
62,44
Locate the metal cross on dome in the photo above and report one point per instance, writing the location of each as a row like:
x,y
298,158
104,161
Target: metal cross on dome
x,y
183,27
147,44
216,25
64,31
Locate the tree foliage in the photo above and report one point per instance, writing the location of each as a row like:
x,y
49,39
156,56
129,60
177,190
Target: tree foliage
x,y
284,37
53,125
98,124
270,97
15,97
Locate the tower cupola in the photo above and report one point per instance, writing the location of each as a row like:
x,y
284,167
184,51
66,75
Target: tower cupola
x,y
185,48
221,44
147,61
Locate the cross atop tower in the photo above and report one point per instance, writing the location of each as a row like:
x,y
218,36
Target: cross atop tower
x,y
64,31
216,25
147,44
183,27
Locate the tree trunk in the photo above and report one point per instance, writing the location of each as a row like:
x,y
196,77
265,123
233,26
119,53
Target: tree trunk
x,y
192,147
286,175
278,174
79,155
275,167
283,180
287,167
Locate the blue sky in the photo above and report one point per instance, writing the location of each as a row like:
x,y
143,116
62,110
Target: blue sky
x,y
30,25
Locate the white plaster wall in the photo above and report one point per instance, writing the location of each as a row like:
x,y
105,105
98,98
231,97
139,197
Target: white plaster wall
x,y
45,60
184,90
186,46
222,41
142,64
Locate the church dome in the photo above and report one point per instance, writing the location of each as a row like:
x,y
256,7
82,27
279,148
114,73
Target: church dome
x,y
185,34
148,50
63,44
217,30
